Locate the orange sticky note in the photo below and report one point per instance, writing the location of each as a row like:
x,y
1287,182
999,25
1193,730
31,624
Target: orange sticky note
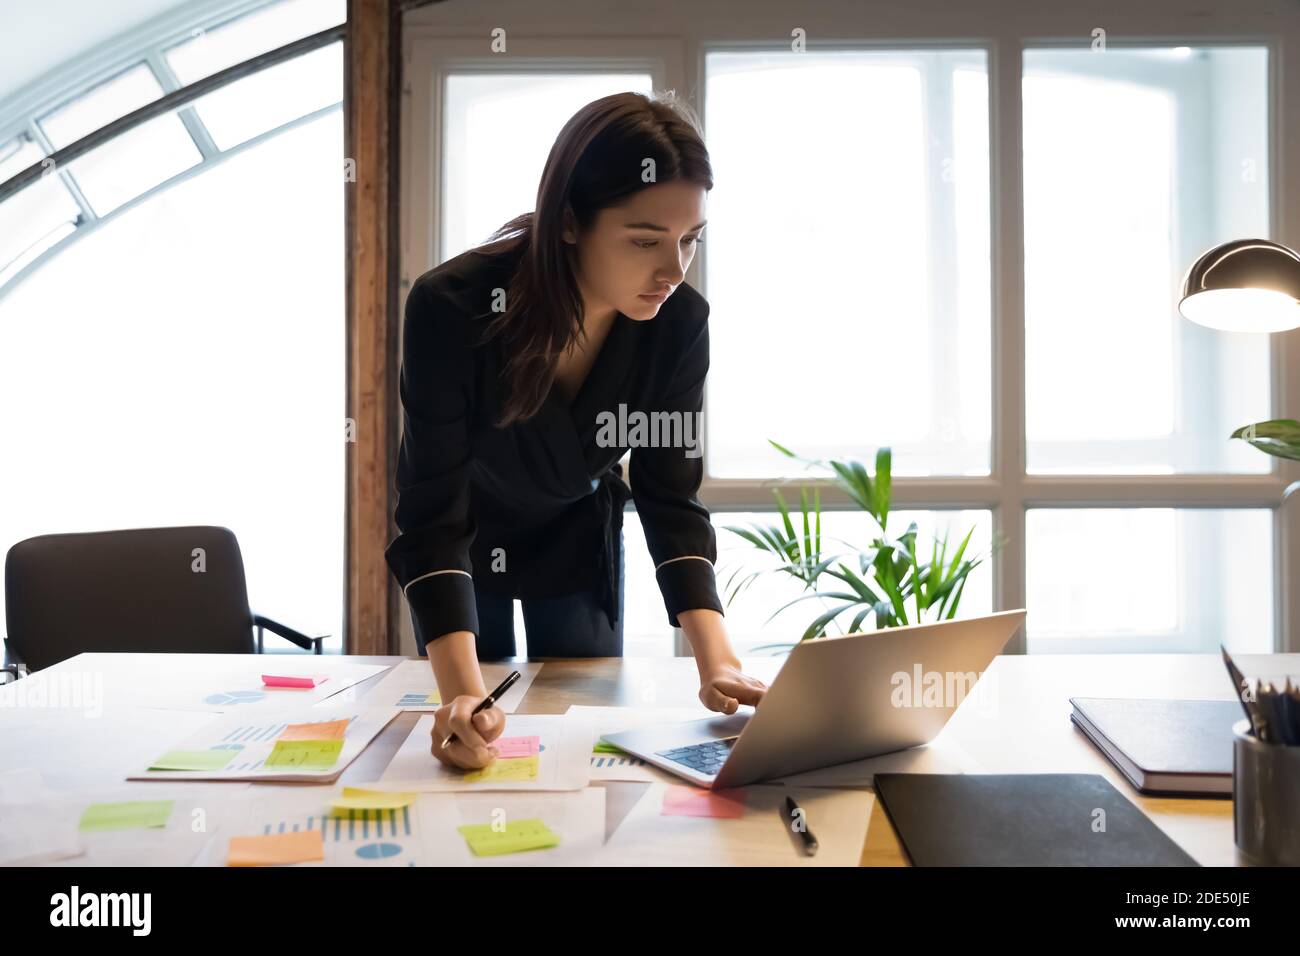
x,y
289,680
276,849
325,730
694,802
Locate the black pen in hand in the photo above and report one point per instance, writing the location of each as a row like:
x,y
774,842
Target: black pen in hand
x,y
487,702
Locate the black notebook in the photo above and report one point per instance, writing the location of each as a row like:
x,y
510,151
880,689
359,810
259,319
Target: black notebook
x,y
1164,746
1032,819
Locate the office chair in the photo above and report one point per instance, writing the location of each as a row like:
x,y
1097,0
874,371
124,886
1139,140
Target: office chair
x,y
141,590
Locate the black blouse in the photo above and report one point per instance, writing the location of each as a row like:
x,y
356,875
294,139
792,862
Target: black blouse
x,y
547,492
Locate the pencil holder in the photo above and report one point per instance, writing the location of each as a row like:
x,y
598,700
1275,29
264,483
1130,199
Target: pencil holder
x,y
1265,798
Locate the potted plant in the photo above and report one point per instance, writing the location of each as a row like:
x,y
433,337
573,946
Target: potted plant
x,y
896,580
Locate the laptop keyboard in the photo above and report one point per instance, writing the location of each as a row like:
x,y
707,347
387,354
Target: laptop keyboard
x,y
706,758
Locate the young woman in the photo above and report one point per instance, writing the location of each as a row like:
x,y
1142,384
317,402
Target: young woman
x,y
527,363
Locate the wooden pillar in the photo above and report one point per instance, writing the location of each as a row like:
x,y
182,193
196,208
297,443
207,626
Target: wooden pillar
x,y
372,78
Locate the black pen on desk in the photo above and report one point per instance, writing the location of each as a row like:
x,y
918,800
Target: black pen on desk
x,y
809,841
488,701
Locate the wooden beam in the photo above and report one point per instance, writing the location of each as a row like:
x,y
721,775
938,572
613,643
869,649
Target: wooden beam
x,y
372,85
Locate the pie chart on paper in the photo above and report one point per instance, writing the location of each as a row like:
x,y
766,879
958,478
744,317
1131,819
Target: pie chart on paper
x,y
234,697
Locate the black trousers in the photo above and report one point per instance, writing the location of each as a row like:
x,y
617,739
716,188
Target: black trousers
x,y
571,625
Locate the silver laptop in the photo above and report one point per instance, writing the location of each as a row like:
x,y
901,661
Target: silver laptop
x,y
836,699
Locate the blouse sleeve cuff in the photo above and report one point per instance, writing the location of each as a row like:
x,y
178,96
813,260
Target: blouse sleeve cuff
x,y
440,604
688,585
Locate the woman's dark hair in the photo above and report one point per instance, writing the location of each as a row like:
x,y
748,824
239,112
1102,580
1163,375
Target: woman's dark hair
x,y
597,160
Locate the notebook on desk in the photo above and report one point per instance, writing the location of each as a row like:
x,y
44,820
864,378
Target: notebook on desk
x,y
1164,746
1032,819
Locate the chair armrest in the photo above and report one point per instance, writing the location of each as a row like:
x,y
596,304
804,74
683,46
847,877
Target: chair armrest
x,y
13,666
312,644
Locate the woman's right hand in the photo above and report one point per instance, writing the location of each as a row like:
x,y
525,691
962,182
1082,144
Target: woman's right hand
x,y
470,750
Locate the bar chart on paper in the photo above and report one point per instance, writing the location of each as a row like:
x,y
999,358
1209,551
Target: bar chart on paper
x,y
255,732
304,744
354,837
367,836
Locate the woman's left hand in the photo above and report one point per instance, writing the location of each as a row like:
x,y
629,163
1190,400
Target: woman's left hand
x,y
724,688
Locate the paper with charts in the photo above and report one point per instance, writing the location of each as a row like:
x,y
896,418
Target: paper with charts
x,y
610,763
306,744
538,752
515,829
124,825
263,684
410,685
306,826
687,826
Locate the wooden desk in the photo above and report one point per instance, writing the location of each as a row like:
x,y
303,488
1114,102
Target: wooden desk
x,y
1021,726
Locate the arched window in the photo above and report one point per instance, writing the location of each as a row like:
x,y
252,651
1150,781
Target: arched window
x,y
172,324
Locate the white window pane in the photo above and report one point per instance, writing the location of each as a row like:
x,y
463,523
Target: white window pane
x,y
40,211
273,97
1136,161
1149,579
43,243
853,234
647,632
211,51
484,185
134,162
970,179
101,105
15,156
206,385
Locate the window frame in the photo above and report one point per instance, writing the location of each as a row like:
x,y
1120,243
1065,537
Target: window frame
x,y
1009,492
21,115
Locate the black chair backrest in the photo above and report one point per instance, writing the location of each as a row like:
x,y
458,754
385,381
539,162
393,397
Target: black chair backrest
x,y
141,590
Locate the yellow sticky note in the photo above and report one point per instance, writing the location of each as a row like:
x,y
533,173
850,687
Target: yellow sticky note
x,y
505,770
273,849
517,836
325,730
357,799
308,754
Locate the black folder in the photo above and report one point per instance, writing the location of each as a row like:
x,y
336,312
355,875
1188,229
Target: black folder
x,y
1037,819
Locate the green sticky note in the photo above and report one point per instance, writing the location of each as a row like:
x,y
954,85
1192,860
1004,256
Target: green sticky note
x,y
193,760
130,815
310,754
517,836
604,748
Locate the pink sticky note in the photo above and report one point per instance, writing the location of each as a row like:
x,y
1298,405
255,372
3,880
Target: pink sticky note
x,y
694,802
517,746
282,680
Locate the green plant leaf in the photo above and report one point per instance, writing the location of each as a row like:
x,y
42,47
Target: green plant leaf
x,y
884,459
818,625
1279,437
860,586
857,621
